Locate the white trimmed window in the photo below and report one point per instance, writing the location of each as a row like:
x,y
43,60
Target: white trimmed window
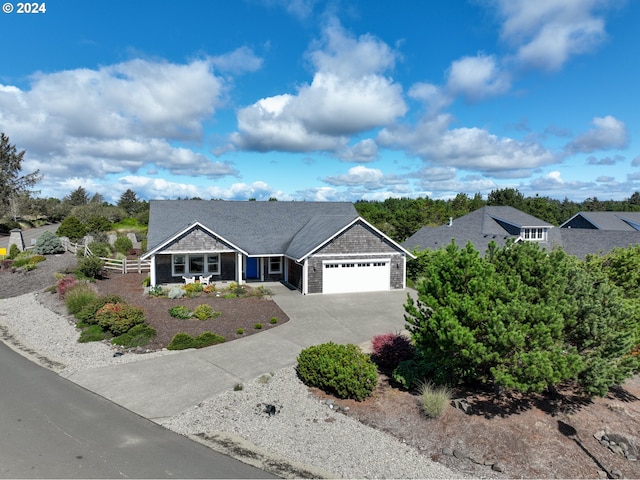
x,y
195,264
534,234
275,264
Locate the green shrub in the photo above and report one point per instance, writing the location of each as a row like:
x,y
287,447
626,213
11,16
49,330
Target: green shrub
x,y
257,326
101,249
156,291
37,259
21,261
123,245
48,244
273,320
342,370
205,312
92,333
434,399
238,387
411,373
97,224
147,281
180,311
90,267
138,336
240,331
176,292
193,289
78,297
88,313
183,341
14,251
119,318
72,228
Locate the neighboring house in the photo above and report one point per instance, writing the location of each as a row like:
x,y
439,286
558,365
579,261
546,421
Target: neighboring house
x,y
481,227
585,233
316,247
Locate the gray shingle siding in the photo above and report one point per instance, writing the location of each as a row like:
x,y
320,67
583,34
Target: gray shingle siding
x,y
357,239
197,240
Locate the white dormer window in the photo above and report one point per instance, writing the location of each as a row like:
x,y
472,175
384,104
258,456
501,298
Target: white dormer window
x,y
534,234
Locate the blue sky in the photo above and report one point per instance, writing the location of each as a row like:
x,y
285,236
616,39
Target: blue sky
x,y
335,101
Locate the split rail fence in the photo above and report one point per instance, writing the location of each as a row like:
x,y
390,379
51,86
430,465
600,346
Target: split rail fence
x,y
123,266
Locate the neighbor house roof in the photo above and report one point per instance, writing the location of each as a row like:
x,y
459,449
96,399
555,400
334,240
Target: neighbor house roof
x,y
479,227
582,241
616,221
258,228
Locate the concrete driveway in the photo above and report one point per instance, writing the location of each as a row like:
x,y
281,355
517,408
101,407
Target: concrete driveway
x,y
165,386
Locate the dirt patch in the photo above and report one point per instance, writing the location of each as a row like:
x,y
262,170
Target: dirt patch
x,y
14,284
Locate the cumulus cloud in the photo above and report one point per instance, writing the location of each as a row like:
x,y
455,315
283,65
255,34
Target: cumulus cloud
x,y
547,33
608,133
605,179
368,178
465,148
636,161
115,119
364,151
591,160
241,60
348,94
477,77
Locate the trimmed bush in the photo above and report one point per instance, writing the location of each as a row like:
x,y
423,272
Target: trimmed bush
x,y
434,399
389,349
72,227
342,370
180,311
138,336
240,331
273,320
100,249
205,312
119,318
78,297
14,251
48,244
123,245
93,333
257,326
183,341
90,267
88,313
411,373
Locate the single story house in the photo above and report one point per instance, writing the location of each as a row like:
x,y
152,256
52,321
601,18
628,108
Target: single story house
x,y
481,227
315,247
585,233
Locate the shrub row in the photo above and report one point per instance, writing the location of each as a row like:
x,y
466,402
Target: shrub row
x,y
183,341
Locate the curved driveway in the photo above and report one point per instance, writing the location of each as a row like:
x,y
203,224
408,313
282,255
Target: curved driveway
x,y
165,386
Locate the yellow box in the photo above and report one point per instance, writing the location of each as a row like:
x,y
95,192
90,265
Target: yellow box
x,y
3,252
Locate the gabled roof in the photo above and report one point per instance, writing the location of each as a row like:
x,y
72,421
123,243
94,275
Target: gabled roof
x,y
480,227
616,221
583,241
258,228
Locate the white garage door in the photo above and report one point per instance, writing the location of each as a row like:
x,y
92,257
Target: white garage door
x,y
355,276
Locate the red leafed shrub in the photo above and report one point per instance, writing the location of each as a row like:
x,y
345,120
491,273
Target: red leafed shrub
x,y
64,284
119,318
389,349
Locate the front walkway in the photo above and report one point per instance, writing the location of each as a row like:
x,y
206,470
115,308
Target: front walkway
x,y
165,386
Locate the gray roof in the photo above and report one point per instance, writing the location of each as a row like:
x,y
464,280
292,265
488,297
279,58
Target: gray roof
x,y
617,221
480,227
258,228
582,242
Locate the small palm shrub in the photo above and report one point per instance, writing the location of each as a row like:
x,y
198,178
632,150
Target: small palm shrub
x,y
119,318
180,311
342,370
434,399
138,336
78,297
64,284
389,349
205,312
182,341
48,244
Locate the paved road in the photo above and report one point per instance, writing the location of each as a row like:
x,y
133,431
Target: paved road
x,y
51,428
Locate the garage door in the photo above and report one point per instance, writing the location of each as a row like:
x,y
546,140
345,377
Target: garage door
x,y
355,276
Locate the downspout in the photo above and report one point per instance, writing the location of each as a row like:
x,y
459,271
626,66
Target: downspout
x,y
404,272
152,272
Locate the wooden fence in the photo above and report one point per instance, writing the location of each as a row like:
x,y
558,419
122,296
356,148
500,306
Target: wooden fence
x,y
122,266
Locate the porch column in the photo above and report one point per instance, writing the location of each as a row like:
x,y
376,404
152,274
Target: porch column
x,y
152,272
305,277
262,269
404,272
285,266
239,268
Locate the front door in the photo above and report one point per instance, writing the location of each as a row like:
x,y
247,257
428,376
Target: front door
x,y
252,267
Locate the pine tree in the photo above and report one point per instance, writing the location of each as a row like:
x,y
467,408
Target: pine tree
x,y
12,183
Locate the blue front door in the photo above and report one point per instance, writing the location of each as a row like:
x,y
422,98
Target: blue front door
x,y
252,267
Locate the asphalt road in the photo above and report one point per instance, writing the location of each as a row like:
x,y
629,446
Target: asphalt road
x,y
51,428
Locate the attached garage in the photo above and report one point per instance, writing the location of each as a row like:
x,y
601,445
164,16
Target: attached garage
x,y
348,276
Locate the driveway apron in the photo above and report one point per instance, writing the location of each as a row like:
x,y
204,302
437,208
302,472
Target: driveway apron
x,y
163,387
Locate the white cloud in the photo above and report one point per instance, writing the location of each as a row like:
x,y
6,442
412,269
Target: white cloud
x,y
239,61
364,151
368,178
477,77
608,133
348,94
636,161
546,33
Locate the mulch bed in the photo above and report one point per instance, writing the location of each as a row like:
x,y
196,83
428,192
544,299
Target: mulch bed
x,y
236,312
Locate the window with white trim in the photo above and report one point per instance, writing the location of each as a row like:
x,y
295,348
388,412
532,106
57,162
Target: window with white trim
x,y
195,264
275,264
534,234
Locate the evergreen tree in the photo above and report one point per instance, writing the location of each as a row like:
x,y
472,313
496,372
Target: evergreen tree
x,y
12,183
78,197
129,202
